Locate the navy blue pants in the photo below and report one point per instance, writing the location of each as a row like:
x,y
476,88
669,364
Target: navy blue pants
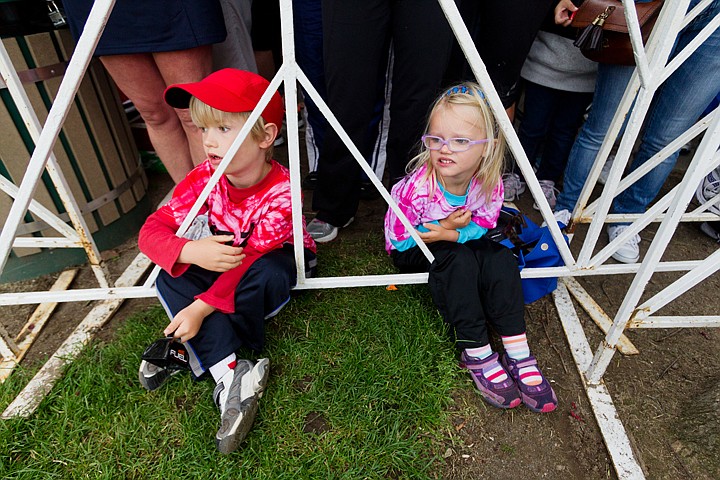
x,y
551,118
473,284
262,292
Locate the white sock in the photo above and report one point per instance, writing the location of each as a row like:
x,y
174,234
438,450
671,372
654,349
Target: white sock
x,y
222,367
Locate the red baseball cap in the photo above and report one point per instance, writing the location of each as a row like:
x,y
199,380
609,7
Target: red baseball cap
x,y
229,90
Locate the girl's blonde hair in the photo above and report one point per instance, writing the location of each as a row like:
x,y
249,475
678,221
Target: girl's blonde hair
x,y
490,168
203,115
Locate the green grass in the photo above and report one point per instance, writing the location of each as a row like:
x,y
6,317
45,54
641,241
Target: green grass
x,y
360,381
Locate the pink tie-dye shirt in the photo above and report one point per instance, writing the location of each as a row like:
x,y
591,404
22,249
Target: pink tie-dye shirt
x,y
263,209
421,204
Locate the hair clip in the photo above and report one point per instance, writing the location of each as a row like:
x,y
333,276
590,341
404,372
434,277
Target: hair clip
x,y
465,90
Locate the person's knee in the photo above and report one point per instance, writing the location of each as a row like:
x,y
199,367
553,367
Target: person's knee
x,y
186,119
155,113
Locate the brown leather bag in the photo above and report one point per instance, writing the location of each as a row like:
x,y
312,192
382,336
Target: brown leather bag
x,y
604,33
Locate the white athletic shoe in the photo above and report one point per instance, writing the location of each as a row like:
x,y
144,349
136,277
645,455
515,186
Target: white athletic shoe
x,y
629,252
708,189
605,172
237,394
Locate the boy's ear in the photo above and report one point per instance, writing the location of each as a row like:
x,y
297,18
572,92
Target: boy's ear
x,y
271,132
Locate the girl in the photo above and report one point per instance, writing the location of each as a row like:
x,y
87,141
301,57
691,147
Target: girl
x,y
453,195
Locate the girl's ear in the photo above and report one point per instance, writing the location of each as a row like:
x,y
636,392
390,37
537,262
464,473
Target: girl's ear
x,y
271,132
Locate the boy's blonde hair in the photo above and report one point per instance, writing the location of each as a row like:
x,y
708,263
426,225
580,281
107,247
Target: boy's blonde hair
x,y
203,115
490,168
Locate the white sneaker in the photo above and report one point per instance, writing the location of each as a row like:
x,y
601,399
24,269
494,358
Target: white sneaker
x,y
548,189
562,217
514,187
708,189
605,172
237,394
629,252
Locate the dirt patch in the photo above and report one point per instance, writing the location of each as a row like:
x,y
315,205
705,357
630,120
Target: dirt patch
x,y
656,392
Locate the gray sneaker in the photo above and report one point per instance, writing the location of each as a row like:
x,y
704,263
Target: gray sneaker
x,y
513,186
548,189
708,189
237,394
323,232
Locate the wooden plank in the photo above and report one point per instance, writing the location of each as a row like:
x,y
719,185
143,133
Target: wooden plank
x,y
598,315
34,392
75,131
34,325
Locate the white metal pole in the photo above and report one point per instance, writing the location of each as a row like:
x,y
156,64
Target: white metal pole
x,y
708,146
47,137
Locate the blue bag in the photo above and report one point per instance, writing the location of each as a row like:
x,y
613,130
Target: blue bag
x,y
532,245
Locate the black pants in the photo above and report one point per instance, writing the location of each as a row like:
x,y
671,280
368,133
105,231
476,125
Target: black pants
x,y
263,290
503,31
472,284
356,36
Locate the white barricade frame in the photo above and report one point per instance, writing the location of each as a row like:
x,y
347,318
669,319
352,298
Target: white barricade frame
x,y
652,69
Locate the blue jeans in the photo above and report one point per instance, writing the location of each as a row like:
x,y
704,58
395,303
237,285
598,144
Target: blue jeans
x,y
677,105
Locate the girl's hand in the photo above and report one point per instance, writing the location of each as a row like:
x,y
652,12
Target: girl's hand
x,y
438,233
564,11
212,254
460,218
187,322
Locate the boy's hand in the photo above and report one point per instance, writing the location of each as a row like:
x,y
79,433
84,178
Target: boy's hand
x,y
460,218
563,12
187,322
212,254
438,233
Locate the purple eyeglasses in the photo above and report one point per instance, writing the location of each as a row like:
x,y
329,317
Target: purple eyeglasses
x,y
454,144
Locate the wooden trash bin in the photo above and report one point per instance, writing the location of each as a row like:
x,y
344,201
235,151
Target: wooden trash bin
x,y
95,150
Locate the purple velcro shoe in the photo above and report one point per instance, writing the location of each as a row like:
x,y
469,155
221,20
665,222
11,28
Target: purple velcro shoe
x,y
538,398
503,394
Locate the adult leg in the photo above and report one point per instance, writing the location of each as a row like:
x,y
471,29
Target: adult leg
x,y
139,78
309,52
184,66
609,88
422,41
503,39
678,103
539,111
566,119
354,36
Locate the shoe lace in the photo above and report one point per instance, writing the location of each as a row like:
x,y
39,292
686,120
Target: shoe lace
x,y
711,183
634,240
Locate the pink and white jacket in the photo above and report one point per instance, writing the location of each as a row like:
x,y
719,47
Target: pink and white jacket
x,y
423,204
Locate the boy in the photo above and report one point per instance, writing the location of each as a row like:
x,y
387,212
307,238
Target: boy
x,y
219,289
